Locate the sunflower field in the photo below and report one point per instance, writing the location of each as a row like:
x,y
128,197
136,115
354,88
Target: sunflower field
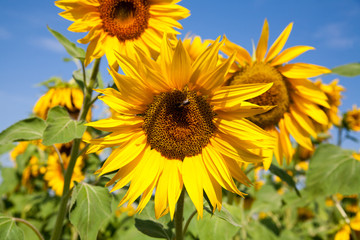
x,y
161,133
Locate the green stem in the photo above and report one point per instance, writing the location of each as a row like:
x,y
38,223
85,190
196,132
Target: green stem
x,y
30,226
344,215
339,136
179,216
56,234
188,222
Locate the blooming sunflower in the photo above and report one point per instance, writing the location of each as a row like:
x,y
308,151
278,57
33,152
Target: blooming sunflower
x,y
119,25
194,45
178,126
333,93
296,98
55,173
352,119
69,97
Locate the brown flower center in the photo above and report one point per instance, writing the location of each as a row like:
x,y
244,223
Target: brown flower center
x,y
125,19
277,95
179,124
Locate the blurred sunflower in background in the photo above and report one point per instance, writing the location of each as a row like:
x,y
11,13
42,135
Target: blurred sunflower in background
x,y
296,98
333,92
119,25
46,164
184,129
55,171
67,95
351,119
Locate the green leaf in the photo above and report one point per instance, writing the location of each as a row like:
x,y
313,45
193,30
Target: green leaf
x,y
347,70
266,200
70,47
151,228
79,78
61,128
9,230
24,130
9,180
333,170
6,148
224,214
257,230
90,207
284,176
212,227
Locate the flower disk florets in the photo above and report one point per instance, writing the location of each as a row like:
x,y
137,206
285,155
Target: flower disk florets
x,y
125,19
179,124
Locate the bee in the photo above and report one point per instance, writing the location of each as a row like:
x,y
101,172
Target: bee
x,y
184,103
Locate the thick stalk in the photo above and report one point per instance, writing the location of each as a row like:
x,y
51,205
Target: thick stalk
x,y
179,213
339,136
74,155
30,226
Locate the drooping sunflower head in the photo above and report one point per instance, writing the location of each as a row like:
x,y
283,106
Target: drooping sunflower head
x,y
119,25
296,98
68,96
178,125
333,92
352,119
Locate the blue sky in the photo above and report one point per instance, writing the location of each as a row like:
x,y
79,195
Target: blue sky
x,y
29,53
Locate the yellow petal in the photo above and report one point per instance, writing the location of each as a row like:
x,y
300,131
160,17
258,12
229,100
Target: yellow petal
x,y
285,143
310,109
301,136
303,120
242,55
279,43
192,168
289,54
263,42
302,70
238,93
180,67
277,150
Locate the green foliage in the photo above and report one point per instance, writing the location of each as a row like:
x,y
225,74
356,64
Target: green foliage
x,y
9,230
224,214
61,128
333,170
70,47
347,70
9,180
266,199
79,78
152,229
90,207
284,176
6,148
212,227
24,130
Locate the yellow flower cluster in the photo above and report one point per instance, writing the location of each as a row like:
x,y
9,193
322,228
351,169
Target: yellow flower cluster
x,y
184,117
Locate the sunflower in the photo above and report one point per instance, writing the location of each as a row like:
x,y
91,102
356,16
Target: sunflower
x,y
55,172
119,25
178,126
352,119
333,93
296,98
68,96
194,45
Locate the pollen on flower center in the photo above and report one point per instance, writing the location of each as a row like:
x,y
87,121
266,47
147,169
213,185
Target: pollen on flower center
x,y
125,19
179,124
277,95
